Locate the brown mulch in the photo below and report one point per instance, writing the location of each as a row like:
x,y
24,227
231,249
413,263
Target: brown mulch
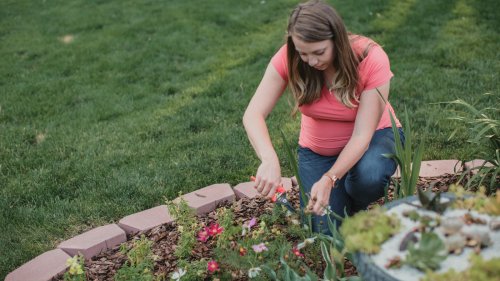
x,y
164,237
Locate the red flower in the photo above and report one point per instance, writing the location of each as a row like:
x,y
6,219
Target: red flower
x,y
243,251
215,229
297,253
212,266
203,235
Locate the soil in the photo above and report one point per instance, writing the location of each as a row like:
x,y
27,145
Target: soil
x,y
164,237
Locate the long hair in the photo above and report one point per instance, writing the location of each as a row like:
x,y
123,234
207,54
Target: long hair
x,y
315,21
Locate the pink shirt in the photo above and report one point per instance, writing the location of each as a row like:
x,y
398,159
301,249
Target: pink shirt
x,y
327,124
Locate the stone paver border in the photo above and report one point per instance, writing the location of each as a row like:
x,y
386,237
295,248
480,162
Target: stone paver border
x,y
51,263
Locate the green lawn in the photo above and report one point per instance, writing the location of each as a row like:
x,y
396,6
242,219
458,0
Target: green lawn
x,y
108,107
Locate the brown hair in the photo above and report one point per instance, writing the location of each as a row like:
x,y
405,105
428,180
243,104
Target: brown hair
x,y
315,21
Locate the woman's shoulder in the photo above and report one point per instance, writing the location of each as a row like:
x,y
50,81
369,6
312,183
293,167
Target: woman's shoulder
x,y
361,45
280,63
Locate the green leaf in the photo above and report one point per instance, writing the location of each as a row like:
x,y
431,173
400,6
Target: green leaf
x,y
330,271
427,254
352,278
270,272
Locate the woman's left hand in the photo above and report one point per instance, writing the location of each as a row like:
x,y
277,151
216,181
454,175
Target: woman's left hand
x,y
320,196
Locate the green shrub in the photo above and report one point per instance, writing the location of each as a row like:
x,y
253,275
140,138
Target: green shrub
x,y
483,127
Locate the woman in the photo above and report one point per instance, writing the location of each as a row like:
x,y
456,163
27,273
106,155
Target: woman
x,y
340,84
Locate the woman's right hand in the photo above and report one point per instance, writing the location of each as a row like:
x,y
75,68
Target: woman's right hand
x,y
268,177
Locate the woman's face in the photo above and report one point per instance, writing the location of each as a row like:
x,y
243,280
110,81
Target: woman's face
x,y
317,54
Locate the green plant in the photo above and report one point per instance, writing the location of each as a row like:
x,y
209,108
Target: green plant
x,y
140,252
427,254
479,270
141,272
187,225
334,270
226,219
367,230
140,262
483,127
295,168
479,202
333,254
76,269
432,201
408,162
194,270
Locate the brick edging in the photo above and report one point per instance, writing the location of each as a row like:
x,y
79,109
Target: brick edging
x,y
204,200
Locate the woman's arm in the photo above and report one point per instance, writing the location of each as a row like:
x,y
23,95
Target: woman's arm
x,y
267,94
371,107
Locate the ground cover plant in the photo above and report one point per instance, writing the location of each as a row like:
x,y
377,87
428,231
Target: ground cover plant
x,y
108,106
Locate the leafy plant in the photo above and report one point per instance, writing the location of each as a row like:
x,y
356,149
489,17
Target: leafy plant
x,y
479,270
194,270
334,270
226,219
186,224
295,168
484,135
367,230
334,253
427,254
140,252
140,262
432,201
408,162
480,202
76,270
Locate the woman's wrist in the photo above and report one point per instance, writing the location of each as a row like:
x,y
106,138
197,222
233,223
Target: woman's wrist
x,y
332,178
269,157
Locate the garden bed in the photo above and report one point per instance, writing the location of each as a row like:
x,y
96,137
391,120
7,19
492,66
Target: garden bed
x,y
165,239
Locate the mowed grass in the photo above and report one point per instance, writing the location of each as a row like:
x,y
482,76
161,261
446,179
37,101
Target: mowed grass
x,y
109,107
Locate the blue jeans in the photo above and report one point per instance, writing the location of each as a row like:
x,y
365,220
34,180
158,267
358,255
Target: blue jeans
x,y
363,184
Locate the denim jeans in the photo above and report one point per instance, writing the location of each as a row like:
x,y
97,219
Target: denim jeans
x,y
363,184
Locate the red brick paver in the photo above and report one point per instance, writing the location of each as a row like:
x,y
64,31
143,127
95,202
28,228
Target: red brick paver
x,y
287,183
205,200
41,268
439,167
146,220
476,163
245,190
94,241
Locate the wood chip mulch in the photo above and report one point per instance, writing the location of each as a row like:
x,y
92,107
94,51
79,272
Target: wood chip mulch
x,y
165,237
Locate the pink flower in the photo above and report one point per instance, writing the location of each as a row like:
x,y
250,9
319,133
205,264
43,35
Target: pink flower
x,y
212,266
247,225
252,222
215,229
297,252
203,235
259,248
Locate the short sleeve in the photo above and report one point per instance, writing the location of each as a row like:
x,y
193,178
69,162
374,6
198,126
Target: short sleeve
x,y
375,69
280,62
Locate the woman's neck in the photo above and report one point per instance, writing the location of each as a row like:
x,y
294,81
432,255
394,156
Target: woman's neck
x,y
329,75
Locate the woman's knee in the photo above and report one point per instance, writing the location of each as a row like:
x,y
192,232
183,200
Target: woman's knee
x,y
367,179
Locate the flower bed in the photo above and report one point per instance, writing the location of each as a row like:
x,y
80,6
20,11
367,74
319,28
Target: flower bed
x,y
251,238
256,237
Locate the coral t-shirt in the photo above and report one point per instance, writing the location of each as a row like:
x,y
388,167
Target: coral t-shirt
x,y
327,124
